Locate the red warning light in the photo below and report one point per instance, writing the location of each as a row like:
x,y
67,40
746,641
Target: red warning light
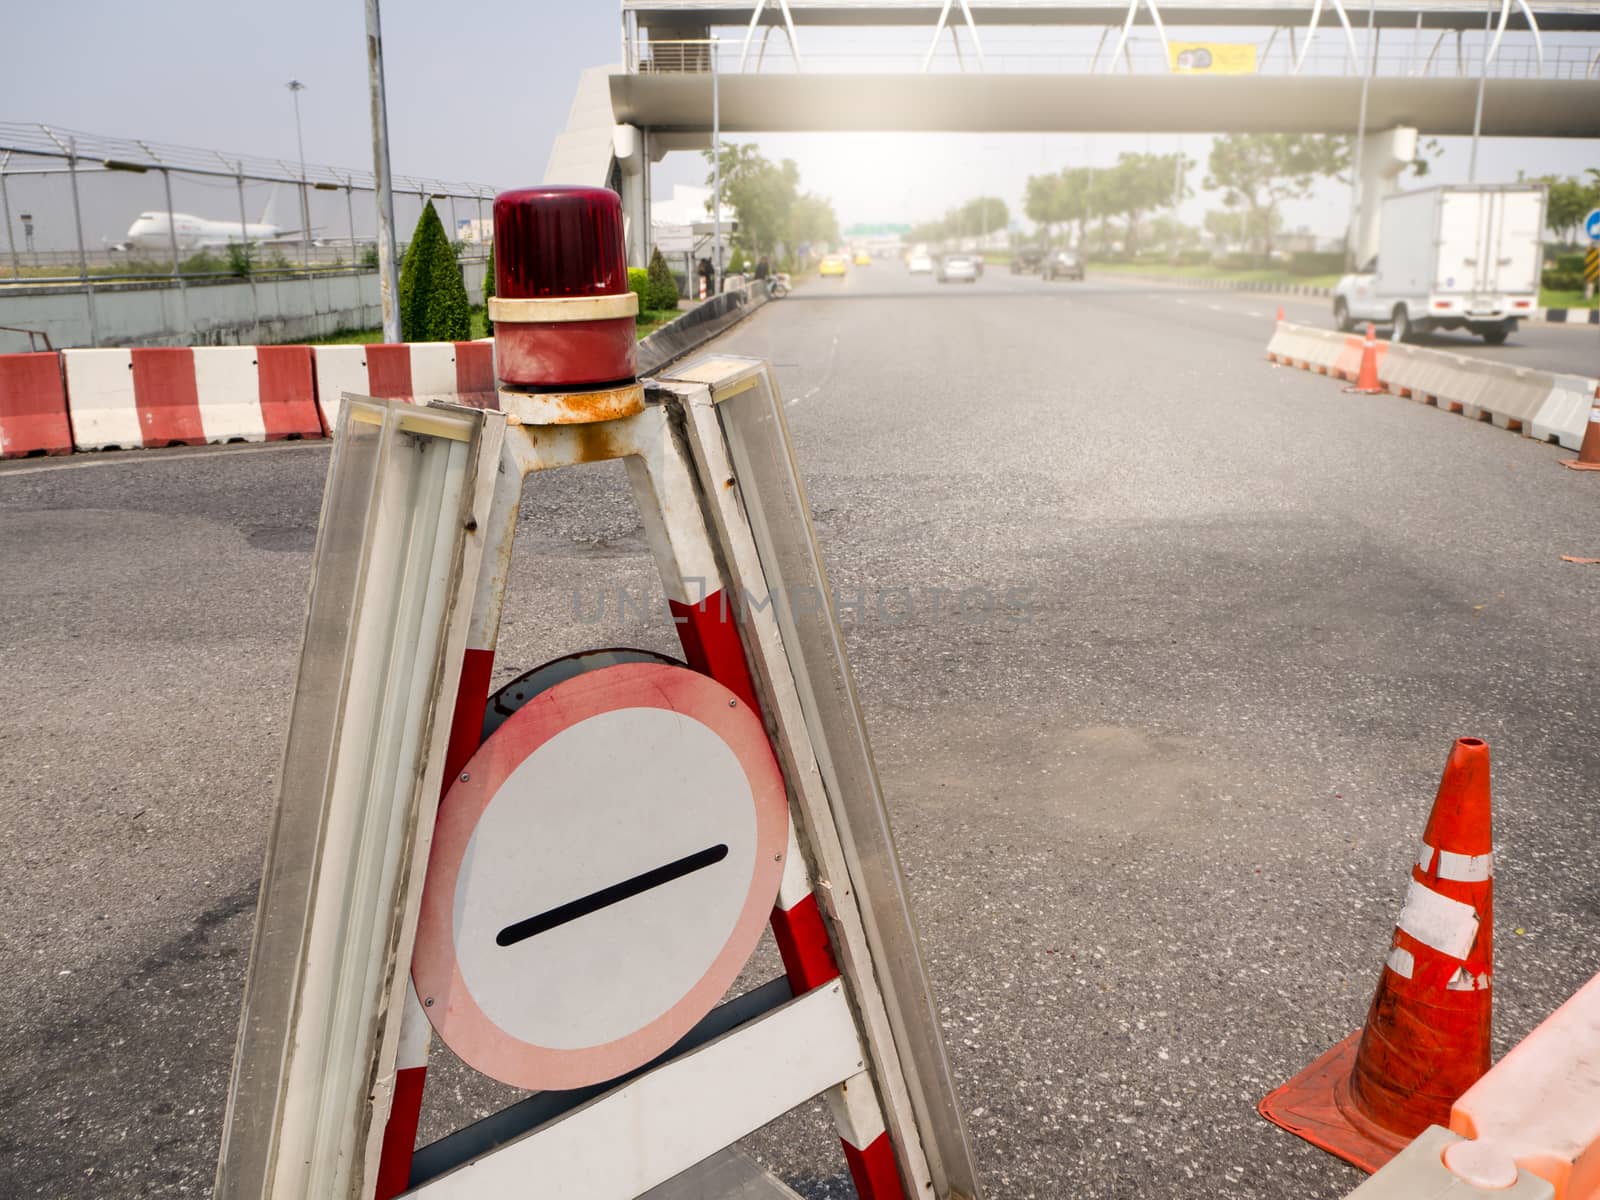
x,y
559,241
563,315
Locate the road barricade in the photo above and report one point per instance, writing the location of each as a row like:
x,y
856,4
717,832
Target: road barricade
x,y
462,372
1538,404
1530,1127
152,397
132,399
1564,415
33,406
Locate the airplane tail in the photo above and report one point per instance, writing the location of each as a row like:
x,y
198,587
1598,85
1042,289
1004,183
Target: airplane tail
x,y
269,214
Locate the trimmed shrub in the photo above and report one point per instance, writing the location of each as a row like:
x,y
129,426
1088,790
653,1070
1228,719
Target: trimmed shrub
x,y
1562,281
433,300
662,289
1306,262
639,285
1237,262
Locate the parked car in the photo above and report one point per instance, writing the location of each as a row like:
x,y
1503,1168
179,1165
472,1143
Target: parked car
x,y
1027,260
833,264
920,263
959,266
1062,264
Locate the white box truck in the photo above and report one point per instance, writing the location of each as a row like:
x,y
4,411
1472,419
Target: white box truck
x,y
1456,257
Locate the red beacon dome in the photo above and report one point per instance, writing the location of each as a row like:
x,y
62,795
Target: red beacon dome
x,y
562,311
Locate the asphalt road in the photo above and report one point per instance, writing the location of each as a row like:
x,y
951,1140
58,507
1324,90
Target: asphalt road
x,y
1156,833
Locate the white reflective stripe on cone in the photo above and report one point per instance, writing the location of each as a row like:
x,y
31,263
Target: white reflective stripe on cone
x,y
1447,925
1401,961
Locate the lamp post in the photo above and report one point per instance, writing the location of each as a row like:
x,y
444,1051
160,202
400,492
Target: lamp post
x,y
716,175
295,88
388,268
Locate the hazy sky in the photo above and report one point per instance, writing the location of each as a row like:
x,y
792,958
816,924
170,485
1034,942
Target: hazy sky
x,y
477,92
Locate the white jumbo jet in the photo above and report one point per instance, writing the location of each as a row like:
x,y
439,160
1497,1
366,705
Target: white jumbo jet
x,y
156,230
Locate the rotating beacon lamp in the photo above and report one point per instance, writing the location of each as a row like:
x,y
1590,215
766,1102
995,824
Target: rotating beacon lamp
x,y
562,311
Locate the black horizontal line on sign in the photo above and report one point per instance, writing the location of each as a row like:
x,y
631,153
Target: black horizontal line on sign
x,y
563,914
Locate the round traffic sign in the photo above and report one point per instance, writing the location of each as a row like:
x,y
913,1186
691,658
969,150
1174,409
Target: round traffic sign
x,y
1591,225
600,872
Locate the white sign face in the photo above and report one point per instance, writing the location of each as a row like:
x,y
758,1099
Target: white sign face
x,y
599,876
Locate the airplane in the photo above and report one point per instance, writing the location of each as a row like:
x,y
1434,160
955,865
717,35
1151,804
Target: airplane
x,y
156,230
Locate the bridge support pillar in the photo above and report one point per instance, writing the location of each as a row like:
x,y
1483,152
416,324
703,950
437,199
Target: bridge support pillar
x,y
630,147
1383,157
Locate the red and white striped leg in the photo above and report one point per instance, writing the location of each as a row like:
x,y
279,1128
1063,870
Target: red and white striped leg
x,y
405,1111
466,732
709,632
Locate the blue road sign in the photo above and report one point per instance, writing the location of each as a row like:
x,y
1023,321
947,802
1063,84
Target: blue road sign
x,y
1591,225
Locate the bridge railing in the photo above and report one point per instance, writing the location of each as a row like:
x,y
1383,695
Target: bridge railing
x,y
1400,54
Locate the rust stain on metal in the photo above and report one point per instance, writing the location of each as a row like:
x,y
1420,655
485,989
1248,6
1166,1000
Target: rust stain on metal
x,y
596,443
573,408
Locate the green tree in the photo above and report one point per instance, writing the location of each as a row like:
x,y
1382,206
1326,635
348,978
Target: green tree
x,y
1259,171
985,214
1135,185
662,290
433,300
762,194
1569,202
812,220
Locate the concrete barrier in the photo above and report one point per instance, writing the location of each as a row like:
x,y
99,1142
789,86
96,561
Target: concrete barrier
x,y
462,372
1537,404
698,326
33,406
130,399
151,397
1564,415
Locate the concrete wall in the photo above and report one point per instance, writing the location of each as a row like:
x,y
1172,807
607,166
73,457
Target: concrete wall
x,y
213,313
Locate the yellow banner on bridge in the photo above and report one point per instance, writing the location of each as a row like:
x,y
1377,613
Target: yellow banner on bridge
x,y
1212,58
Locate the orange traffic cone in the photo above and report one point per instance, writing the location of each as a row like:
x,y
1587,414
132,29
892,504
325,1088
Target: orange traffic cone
x,y
1589,453
1367,378
1427,1034
1280,314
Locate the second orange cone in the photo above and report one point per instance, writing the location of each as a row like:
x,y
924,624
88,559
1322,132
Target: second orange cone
x,y
1426,1038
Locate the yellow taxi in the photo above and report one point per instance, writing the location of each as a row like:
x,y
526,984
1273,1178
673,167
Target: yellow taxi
x,y
833,264
863,259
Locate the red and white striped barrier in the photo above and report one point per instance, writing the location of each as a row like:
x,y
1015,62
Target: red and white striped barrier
x,y
143,398
33,406
462,372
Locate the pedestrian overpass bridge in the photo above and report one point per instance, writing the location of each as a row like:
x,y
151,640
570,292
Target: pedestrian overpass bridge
x,y
1036,66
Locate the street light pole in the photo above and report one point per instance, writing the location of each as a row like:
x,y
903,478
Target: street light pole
x,y
716,175
295,88
388,277
1477,112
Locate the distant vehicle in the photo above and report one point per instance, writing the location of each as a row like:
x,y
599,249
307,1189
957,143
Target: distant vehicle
x,y
157,231
1027,260
863,259
959,266
1062,264
1464,257
834,264
920,263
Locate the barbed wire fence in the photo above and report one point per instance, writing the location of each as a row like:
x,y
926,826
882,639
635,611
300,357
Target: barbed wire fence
x,y
91,213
